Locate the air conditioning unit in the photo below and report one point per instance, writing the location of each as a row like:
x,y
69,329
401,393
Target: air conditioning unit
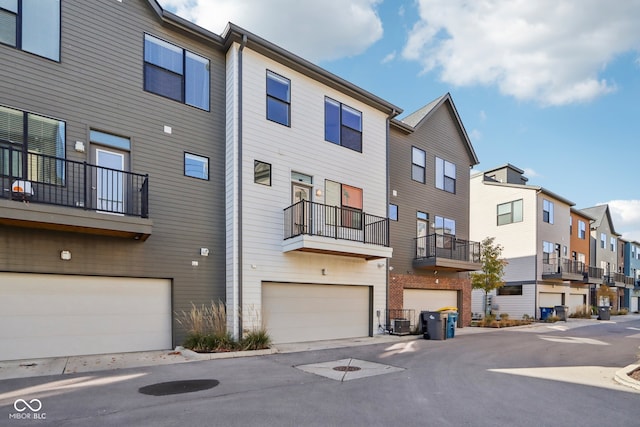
x,y
400,327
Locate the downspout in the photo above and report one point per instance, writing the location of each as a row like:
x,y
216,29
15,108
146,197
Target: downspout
x,y
240,245
535,267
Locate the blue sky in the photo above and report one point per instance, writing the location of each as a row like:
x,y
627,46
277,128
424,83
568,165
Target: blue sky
x,y
550,86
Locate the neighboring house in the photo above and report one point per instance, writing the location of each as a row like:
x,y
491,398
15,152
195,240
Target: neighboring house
x,y
307,227
604,254
532,224
632,272
430,156
112,161
580,244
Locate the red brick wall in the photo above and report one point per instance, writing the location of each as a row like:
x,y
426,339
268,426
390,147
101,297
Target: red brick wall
x,y
399,282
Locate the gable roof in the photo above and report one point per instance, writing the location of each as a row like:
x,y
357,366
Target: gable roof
x,y
416,119
600,212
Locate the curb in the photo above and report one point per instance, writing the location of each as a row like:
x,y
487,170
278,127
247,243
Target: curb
x,y
192,355
622,377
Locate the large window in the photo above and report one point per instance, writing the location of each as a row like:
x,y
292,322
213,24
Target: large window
x,y
547,250
418,164
342,125
196,166
509,290
31,25
445,232
582,230
445,175
278,99
547,211
510,212
37,144
349,199
175,73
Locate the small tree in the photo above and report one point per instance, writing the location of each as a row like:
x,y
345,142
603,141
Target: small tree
x,y
492,269
605,295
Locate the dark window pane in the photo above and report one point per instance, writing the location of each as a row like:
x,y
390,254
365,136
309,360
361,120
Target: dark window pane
x,y
278,111
162,82
332,121
163,54
417,173
41,28
261,173
11,125
449,185
351,118
278,87
7,28
351,139
196,87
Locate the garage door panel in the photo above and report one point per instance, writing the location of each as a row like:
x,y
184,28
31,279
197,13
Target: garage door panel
x,y
298,313
576,301
549,299
429,299
56,315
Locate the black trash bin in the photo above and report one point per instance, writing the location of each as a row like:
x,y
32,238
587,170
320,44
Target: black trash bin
x,y
604,312
434,325
561,311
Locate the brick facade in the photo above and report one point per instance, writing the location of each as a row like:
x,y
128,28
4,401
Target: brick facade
x,y
399,282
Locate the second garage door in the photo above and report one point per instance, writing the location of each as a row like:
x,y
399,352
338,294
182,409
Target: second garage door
x,y
428,300
301,312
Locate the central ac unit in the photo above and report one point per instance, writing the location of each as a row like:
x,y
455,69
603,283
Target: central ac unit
x,y
400,327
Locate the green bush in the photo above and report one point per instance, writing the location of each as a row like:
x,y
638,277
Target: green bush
x,y
255,340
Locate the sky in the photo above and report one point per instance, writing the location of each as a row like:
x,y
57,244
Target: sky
x,y
550,86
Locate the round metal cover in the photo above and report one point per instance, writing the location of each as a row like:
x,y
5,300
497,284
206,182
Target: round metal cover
x,y
346,368
178,387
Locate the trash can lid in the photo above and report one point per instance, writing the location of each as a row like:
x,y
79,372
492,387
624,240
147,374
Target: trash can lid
x,y
448,308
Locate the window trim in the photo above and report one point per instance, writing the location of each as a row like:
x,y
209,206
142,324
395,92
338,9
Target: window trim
x,y
582,230
547,209
257,163
342,125
511,212
441,175
287,102
196,157
423,167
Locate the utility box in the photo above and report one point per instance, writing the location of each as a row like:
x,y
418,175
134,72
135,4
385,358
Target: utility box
x,y
401,327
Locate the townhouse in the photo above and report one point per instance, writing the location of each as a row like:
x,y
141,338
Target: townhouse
x,y
112,157
534,227
430,156
632,271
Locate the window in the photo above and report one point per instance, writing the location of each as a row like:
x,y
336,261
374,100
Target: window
x,y
393,212
175,73
196,166
510,290
581,258
612,241
41,150
445,232
32,26
418,164
445,175
571,226
349,199
603,240
278,99
547,250
342,125
547,211
510,212
565,251
261,173
422,229
582,230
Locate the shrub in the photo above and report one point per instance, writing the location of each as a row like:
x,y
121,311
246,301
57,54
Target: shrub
x,y
504,316
255,340
204,320
582,312
552,319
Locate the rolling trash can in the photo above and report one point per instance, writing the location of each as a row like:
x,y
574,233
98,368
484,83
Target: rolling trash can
x,y
545,312
604,312
452,321
561,312
433,325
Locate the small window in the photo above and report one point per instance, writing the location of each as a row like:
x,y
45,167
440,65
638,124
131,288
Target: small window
x,y
393,212
196,166
418,164
262,173
613,244
445,175
278,99
547,211
32,26
571,226
510,290
510,212
603,240
422,215
342,125
175,73
582,230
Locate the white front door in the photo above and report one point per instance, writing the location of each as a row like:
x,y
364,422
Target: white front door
x,y
110,181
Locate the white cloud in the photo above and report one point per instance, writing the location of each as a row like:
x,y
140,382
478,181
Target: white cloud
x,y
390,57
530,173
483,115
314,30
625,215
549,51
475,135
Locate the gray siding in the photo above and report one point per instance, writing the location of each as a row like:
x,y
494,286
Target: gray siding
x,y
439,136
98,84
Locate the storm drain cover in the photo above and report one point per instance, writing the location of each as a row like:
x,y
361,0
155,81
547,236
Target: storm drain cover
x,y
348,369
178,387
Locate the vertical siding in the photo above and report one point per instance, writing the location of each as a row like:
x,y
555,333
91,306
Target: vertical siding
x,y
98,84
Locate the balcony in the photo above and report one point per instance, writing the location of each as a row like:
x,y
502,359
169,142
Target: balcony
x,y
53,193
594,275
446,252
563,270
314,227
619,279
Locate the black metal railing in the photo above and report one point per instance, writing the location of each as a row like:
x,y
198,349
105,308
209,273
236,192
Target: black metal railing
x,y
595,272
38,178
446,246
619,278
342,223
568,266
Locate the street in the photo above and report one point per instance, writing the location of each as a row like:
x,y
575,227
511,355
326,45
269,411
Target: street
x,y
533,376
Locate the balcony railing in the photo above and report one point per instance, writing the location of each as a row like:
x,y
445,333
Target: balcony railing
x,y
37,178
446,246
568,266
595,272
619,278
316,219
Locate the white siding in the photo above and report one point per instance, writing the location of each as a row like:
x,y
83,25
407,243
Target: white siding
x,y
514,305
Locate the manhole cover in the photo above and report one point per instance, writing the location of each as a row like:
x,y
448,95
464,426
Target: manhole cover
x,y
346,368
178,387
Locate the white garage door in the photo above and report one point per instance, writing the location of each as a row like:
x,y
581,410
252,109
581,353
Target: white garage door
x,y
548,299
55,315
428,300
298,313
576,301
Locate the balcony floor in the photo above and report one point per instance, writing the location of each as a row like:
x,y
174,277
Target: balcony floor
x,y
331,246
